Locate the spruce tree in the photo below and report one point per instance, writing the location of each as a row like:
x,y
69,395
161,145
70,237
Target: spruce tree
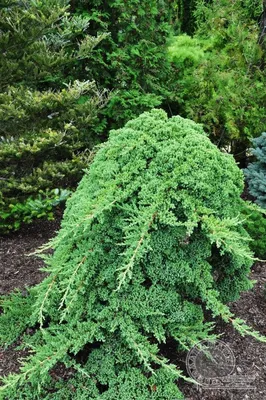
x,y
256,171
150,240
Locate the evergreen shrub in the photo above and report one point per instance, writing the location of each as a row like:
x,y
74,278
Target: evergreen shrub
x,y
255,225
256,171
47,105
41,206
132,60
149,241
222,65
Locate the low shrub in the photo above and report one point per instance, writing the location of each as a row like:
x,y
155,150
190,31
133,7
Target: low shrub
x,y
255,225
42,206
150,240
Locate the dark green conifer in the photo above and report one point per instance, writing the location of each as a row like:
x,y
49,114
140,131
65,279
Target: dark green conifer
x,y
132,60
47,106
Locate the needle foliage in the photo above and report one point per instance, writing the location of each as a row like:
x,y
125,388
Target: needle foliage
x,y
256,171
150,240
47,105
221,72
132,60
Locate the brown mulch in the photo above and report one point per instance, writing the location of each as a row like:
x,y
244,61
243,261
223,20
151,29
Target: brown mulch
x,y
250,354
18,270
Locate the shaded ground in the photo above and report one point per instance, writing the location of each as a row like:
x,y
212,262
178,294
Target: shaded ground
x,y
19,270
250,355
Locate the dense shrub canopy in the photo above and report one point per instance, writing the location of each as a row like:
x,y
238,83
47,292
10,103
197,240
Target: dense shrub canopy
x,y
222,73
255,225
52,110
132,60
149,241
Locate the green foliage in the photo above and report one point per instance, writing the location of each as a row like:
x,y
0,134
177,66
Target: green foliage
x,y
132,60
255,225
256,171
41,206
150,239
47,108
41,43
221,75
186,16
15,316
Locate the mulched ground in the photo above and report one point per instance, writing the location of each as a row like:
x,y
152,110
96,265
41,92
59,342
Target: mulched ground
x,y
18,270
250,354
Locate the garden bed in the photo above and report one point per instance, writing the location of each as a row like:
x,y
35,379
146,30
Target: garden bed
x,y
19,270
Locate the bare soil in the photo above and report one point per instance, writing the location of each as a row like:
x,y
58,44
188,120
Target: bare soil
x,y
18,270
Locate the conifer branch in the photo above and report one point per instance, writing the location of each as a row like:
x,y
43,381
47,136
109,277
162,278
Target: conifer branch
x,y
97,212
71,280
50,286
127,269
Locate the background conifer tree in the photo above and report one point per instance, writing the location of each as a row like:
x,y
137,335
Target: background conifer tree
x,y
47,106
256,171
132,60
221,72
